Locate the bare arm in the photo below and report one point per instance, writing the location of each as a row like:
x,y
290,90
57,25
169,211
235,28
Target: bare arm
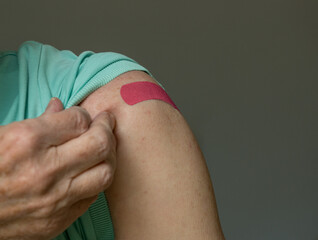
x,y
161,188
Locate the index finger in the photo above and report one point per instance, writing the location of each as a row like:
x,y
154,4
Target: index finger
x,y
93,147
60,127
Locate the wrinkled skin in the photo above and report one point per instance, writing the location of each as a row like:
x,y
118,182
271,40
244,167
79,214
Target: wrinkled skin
x,y
52,169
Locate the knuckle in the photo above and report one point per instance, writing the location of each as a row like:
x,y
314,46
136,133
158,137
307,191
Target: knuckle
x,y
106,117
21,140
81,119
38,178
108,120
24,134
46,206
54,166
102,142
107,176
25,180
38,182
48,211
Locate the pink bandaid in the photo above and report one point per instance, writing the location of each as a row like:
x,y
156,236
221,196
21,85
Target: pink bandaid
x,y
136,92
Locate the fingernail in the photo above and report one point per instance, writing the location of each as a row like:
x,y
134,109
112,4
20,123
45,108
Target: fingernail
x,y
53,99
50,102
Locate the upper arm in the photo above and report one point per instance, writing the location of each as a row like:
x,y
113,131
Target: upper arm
x,y
161,188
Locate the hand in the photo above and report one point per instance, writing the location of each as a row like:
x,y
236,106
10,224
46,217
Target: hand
x,y
52,169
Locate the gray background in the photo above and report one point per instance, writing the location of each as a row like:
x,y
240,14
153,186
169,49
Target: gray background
x,y
243,73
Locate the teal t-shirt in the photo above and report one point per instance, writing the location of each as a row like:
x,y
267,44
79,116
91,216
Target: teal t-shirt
x,y
34,74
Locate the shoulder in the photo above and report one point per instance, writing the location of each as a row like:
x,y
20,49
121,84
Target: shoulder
x,y
147,119
161,188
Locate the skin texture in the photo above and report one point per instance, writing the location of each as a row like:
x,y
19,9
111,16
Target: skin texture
x,y
52,169
161,188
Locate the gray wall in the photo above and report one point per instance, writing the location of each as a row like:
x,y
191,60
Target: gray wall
x,y
243,73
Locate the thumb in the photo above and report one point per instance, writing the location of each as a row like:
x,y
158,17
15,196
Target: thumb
x,y
55,105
